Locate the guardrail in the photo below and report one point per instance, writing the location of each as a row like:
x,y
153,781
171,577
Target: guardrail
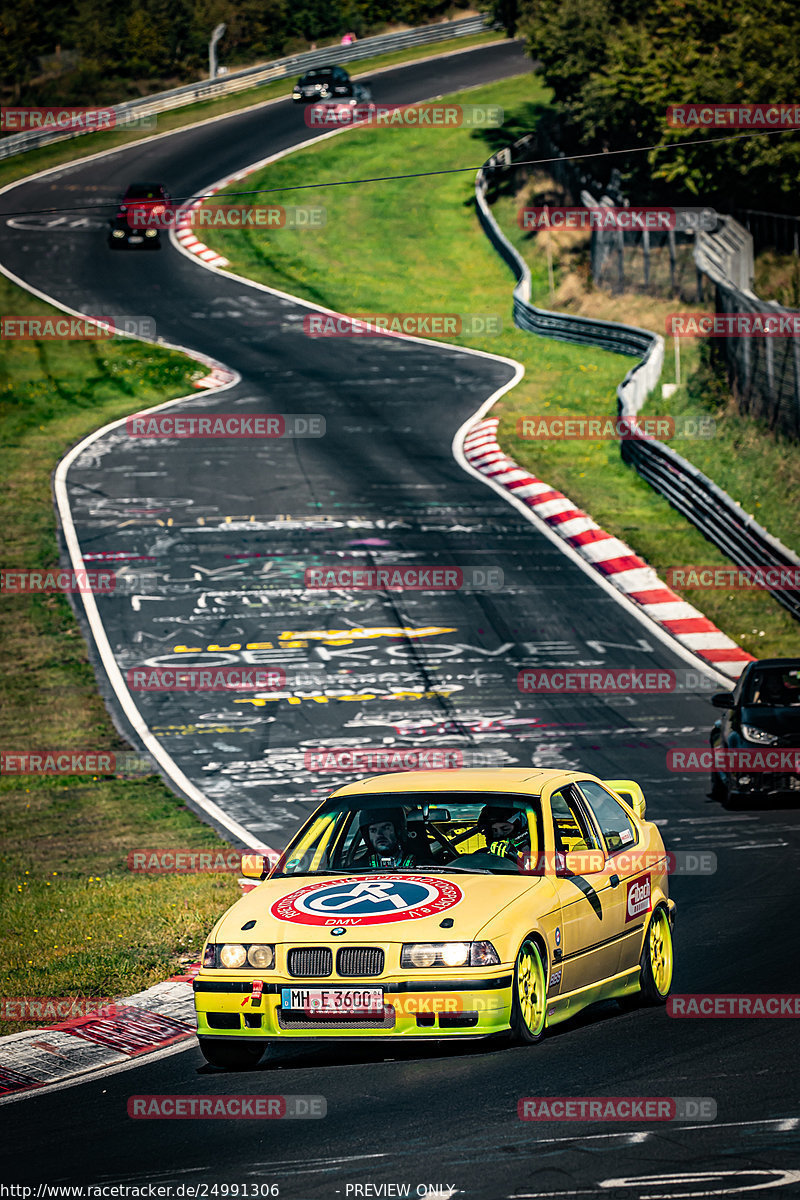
x,y
131,111
587,331
707,506
713,511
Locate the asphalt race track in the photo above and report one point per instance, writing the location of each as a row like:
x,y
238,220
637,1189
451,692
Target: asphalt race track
x,y
227,529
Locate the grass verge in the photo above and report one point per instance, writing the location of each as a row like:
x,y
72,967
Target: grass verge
x,y
406,245
77,922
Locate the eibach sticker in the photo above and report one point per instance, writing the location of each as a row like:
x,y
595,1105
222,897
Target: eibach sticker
x,y
639,900
368,900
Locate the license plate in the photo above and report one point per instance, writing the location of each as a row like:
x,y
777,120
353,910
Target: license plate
x,y
331,1002
135,239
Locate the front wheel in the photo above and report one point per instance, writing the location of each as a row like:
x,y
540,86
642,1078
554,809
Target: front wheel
x,y
231,1054
719,790
657,960
529,1006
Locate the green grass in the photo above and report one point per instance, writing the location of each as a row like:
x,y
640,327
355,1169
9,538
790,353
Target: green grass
x,y
415,245
77,922
21,165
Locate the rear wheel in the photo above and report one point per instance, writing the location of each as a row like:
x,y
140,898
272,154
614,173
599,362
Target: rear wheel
x,y
230,1054
529,1006
657,959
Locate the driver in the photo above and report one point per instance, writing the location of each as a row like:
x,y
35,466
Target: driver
x,y
384,831
506,831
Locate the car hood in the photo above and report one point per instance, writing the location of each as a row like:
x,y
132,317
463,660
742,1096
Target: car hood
x,y
390,906
783,722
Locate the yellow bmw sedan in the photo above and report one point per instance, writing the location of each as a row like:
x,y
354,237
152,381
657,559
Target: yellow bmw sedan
x,y
430,905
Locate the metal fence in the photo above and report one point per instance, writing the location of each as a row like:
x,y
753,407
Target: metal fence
x,y
131,111
763,372
707,506
776,231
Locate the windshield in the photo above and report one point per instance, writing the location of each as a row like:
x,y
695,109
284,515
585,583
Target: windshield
x,y
145,191
773,687
449,831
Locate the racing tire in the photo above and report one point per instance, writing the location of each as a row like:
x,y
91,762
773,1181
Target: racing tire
x,y
231,1054
529,1004
657,961
719,790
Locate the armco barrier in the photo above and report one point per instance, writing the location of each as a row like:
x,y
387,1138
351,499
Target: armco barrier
x,y
608,335
693,494
238,81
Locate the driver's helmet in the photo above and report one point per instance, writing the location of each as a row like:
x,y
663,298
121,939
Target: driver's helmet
x,y
493,812
372,816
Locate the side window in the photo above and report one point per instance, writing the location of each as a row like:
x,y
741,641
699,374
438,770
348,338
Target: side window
x,y
572,830
616,826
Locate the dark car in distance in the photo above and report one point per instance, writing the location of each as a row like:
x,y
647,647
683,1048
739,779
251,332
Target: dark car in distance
x,y
142,214
323,83
761,713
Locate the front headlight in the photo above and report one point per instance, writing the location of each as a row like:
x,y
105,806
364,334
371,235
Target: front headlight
x,y
233,956
262,957
118,233
758,735
421,955
150,232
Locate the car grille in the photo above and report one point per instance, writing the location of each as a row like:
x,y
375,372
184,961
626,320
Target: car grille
x,y
313,963
387,1021
359,960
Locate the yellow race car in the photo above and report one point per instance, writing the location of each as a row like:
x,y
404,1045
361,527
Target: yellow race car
x,y
430,905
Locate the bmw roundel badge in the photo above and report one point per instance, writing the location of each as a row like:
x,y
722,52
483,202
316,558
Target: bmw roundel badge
x,y
338,931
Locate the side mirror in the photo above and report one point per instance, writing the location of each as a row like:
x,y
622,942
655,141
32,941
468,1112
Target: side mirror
x,y
580,862
723,700
255,866
630,792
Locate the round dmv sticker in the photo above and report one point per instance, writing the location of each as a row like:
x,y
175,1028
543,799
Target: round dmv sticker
x,y
368,900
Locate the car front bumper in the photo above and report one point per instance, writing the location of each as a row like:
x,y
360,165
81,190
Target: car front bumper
x,y
420,1009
